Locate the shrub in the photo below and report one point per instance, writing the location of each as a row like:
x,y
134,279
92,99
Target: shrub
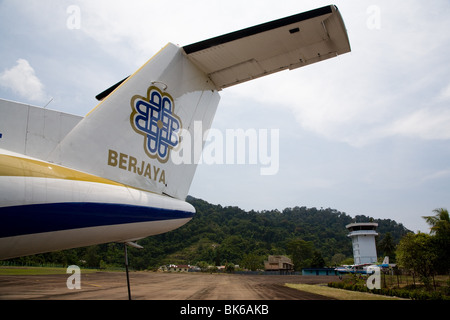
x,y
406,293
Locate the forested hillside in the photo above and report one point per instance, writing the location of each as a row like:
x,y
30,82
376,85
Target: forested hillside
x,y
218,235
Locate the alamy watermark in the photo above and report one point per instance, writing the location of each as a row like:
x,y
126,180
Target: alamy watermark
x,y
73,21
374,280
74,281
373,21
232,147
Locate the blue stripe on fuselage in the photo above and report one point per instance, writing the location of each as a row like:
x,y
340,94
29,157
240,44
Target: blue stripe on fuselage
x,y
39,218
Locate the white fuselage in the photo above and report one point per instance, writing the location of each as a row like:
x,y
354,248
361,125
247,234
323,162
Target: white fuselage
x,y
49,207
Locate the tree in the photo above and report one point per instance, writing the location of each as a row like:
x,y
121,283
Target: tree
x,y
440,228
417,253
229,267
203,265
439,222
301,252
92,258
252,262
317,260
231,249
337,259
387,246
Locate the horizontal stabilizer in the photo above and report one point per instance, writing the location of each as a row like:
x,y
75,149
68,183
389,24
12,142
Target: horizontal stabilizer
x,y
287,43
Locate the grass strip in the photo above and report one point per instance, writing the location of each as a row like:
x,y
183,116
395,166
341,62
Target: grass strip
x,y
339,294
32,271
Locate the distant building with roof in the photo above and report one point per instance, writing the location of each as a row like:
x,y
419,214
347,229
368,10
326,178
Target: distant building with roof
x,y
279,263
175,268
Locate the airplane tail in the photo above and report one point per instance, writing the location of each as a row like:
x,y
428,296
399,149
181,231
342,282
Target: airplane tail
x,y
148,130
130,136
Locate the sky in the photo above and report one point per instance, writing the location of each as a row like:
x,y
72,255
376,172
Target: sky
x,y
366,133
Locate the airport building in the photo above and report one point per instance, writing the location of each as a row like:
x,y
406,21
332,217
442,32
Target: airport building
x,y
279,263
363,241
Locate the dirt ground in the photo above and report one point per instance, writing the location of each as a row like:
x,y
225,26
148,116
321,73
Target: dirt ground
x,y
158,286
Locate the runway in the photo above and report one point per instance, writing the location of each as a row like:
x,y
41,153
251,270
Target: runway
x,y
158,286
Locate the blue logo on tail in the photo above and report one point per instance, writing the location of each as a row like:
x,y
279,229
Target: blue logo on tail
x,y
154,118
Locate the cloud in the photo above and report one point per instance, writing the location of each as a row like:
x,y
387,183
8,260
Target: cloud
x,y
442,174
391,84
427,124
381,89
22,80
444,94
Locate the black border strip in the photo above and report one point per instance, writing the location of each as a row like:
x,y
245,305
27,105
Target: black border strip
x,y
108,91
257,29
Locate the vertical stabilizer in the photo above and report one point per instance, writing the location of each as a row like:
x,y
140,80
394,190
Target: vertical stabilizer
x,y
131,135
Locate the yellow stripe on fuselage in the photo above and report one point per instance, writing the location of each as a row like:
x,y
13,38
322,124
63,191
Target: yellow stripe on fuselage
x,y
11,166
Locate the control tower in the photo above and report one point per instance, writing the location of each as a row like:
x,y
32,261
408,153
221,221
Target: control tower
x,y
363,240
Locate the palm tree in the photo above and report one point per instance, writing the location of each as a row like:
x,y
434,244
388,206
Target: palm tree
x,y
439,221
440,227
387,246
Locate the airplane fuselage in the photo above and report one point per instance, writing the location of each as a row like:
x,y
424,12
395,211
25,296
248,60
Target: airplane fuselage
x,y
51,207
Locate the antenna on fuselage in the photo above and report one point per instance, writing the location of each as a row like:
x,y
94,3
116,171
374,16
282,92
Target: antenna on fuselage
x,y
134,245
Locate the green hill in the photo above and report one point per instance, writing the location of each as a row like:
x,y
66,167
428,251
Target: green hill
x,y
218,235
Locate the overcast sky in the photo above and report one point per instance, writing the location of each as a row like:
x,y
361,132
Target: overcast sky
x,y
365,133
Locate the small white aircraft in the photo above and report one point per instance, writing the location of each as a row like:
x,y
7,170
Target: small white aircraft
x,y
354,268
385,264
364,268
68,181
